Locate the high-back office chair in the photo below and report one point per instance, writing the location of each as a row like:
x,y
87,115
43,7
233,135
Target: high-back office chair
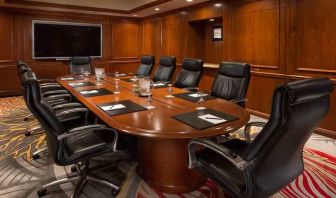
x,y
67,147
274,159
78,63
146,66
231,82
165,70
190,74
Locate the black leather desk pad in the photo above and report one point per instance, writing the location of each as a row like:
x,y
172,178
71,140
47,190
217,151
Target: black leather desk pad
x,y
130,107
185,96
72,78
100,92
128,80
84,84
192,119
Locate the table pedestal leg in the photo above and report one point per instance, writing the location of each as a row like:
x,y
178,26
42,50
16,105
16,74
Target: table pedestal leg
x,y
163,164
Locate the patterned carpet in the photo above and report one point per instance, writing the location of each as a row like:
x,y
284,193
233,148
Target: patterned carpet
x,y
20,176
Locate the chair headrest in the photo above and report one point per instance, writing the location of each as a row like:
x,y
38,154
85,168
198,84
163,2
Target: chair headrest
x,y
192,64
308,89
80,60
234,69
167,61
148,60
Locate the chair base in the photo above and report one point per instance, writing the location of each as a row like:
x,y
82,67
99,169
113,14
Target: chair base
x,y
82,177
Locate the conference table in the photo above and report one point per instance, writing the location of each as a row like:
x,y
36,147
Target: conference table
x,y
162,140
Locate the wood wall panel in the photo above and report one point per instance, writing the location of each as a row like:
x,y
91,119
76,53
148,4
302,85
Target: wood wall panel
x,y
256,34
126,39
151,37
7,32
313,41
172,36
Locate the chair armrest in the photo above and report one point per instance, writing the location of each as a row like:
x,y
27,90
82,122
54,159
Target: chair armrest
x,y
71,111
55,92
53,97
67,105
237,100
228,154
247,130
46,81
92,128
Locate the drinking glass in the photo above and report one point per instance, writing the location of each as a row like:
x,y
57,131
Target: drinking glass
x,y
170,90
144,85
200,94
99,73
86,74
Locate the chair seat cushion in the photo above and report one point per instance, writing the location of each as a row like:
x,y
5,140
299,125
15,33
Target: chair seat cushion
x,y
85,143
221,170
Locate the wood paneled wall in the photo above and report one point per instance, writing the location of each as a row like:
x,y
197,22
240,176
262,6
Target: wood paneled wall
x,y
121,44
283,40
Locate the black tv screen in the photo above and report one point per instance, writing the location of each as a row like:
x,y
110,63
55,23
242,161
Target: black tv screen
x,y
63,40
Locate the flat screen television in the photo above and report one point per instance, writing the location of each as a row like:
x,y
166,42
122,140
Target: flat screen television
x,y
62,40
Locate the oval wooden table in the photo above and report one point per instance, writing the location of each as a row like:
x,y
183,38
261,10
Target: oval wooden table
x,y
162,140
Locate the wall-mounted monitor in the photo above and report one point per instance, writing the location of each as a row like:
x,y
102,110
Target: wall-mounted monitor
x,y
62,40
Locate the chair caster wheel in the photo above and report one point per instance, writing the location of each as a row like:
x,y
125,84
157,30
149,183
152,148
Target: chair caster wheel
x,y
27,134
115,192
35,157
73,169
41,192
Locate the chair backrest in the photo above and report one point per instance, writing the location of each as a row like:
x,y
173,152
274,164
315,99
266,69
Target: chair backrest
x,y
191,73
166,69
232,81
298,108
77,63
45,115
21,68
146,66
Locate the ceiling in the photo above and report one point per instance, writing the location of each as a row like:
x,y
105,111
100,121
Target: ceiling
x,y
129,8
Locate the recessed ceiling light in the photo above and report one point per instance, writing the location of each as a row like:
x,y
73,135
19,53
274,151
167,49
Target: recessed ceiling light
x,y
189,0
135,15
157,9
218,5
211,20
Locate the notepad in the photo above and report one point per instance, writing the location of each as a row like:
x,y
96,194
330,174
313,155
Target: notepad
x,y
89,92
75,84
70,78
158,84
212,119
197,95
113,107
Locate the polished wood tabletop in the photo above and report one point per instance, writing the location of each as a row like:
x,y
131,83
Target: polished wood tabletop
x,y
162,140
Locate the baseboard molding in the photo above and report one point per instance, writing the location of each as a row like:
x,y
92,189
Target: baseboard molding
x,y
10,93
320,131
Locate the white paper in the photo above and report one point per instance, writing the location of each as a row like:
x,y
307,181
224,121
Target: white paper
x,y
75,84
89,92
200,108
170,96
150,107
113,107
158,84
212,119
196,95
70,78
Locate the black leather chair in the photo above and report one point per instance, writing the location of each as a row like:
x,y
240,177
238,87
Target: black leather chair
x,y
146,66
231,82
274,159
190,74
165,70
70,146
77,63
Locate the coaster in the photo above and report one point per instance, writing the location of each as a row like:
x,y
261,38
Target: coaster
x,y
203,119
